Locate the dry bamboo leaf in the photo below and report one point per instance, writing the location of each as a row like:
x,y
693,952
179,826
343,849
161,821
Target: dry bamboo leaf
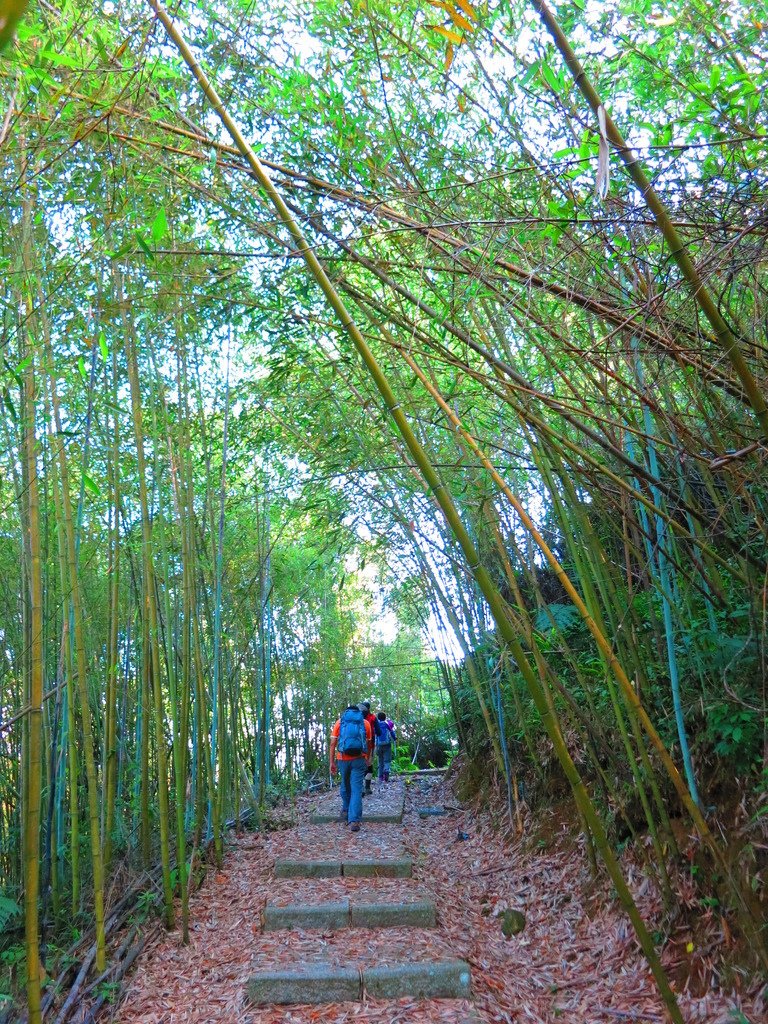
x,y
447,33
467,8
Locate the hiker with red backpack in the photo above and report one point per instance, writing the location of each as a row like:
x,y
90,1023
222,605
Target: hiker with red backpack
x,y
351,742
385,738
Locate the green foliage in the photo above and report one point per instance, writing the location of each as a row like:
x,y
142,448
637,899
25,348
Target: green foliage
x,y
403,763
13,955
10,912
12,970
108,991
736,733
147,905
561,617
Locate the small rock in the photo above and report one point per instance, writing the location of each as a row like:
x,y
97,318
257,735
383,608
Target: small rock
x,y
512,923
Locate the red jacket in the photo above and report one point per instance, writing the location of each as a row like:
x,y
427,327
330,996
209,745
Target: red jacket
x,y
371,720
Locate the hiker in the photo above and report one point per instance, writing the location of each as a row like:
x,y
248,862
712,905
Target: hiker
x,y
351,741
371,719
385,737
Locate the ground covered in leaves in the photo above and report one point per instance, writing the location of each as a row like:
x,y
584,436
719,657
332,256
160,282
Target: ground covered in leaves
x,y
575,961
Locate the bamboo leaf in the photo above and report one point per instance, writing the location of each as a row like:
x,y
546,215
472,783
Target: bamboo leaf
x,y
59,58
461,21
468,9
549,77
159,226
10,406
447,33
143,245
91,485
103,346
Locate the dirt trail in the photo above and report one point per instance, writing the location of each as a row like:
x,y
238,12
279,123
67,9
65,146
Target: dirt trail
x,y
568,965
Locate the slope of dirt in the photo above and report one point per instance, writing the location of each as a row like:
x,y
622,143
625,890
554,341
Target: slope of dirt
x,y
575,961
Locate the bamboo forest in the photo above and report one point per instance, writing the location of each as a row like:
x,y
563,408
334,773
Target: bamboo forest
x,y
408,352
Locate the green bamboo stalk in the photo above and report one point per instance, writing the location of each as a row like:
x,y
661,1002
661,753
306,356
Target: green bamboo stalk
x,y
33,755
218,744
186,526
178,698
69,697
152,634
78,635
145,835
82,681
113,654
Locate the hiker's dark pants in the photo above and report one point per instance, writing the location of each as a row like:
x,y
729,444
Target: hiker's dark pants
x,y
352,775
384,754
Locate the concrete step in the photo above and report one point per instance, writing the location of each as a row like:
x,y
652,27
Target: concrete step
x,y
396,867
448,979
345,914
324,983
384,806
389,817
326,916
417,914
305,984
371,867
286,868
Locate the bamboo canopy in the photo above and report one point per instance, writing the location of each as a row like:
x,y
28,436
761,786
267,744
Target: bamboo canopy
x,y
413,352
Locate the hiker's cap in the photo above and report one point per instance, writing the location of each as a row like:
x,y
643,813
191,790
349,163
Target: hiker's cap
x,y
364,706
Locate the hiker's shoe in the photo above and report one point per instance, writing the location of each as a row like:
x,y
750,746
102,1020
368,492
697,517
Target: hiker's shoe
x,y
355,826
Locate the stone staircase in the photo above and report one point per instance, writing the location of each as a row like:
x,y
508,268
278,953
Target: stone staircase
x,y
317,974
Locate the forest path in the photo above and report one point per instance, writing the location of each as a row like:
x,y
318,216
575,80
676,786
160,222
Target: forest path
x,y
568,964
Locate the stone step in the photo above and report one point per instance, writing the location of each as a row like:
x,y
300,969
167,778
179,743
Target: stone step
x,y
324,983
371,867
326,916
447,979
394,818
396,867
344,914
392,815
286,868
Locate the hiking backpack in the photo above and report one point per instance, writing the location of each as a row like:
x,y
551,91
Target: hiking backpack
x,y
385,737
352,739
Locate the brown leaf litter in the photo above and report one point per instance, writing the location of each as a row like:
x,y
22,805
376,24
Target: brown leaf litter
x,y
573,963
